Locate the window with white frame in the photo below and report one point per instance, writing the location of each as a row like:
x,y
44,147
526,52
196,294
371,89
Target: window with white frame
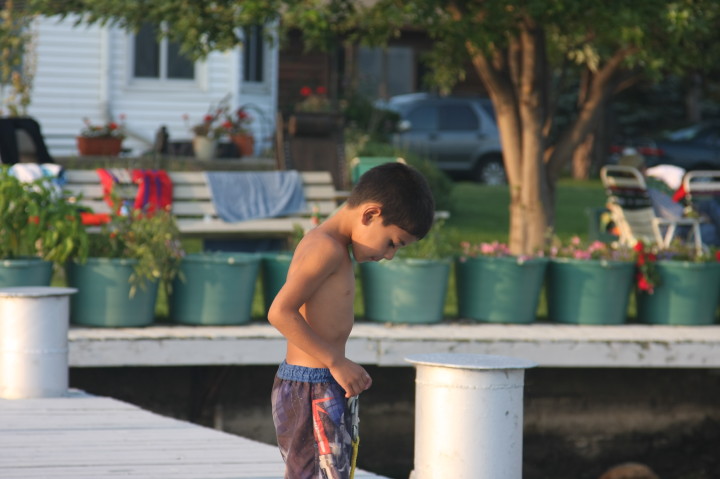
x,y
255,59
253,55
159,59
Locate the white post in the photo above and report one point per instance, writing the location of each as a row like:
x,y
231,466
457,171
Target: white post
x,y
34,341
468,416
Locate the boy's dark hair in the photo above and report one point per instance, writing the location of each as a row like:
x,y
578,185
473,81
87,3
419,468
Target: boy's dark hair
x,y
404,194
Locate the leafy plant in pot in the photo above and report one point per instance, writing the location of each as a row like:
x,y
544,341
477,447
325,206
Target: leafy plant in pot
x,y
677,285
129,259
412,287
39,226
103,139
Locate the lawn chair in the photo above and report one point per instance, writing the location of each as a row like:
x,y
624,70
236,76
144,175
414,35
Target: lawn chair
x,y
701,185
9,149
632,210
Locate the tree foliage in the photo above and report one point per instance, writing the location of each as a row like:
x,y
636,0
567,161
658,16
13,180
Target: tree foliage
x,y
524,51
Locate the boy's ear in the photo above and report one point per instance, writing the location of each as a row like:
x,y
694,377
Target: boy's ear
x,y
371,212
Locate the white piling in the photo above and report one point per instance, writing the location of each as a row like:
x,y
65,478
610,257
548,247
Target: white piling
x,y
34,341
468,416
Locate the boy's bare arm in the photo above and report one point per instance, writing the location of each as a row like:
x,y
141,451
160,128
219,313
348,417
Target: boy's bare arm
x,y
312,265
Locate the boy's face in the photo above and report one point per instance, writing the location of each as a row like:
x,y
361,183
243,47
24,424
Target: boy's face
x,y
376,241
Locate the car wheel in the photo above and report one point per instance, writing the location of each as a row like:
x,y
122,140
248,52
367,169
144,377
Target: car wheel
x,y
491,171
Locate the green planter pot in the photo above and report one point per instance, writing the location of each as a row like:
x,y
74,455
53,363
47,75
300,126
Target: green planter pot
x,y
25,272
588,291
215,288
103,297
274,268
405,290
499,290
688,294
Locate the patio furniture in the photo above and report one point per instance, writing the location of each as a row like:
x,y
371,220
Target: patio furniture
x,y
632,210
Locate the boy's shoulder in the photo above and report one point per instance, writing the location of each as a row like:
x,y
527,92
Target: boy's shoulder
x,y
317,241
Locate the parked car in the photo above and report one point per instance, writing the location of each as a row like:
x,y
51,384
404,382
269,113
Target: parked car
x,y
696,147
459,134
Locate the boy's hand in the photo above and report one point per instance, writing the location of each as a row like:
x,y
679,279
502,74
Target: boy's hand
x,y
351,377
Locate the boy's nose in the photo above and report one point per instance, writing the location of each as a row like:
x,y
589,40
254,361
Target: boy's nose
x,y
390,254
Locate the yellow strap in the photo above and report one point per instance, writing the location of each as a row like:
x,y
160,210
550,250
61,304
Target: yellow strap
x,y
356,446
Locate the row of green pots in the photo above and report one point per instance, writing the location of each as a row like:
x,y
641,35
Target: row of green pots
x,y
507,290
585,291
211,289
218,288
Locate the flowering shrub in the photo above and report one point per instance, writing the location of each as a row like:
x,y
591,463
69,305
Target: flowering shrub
x,y
236,123
494,249
219,121
210,125
648,277
110,129
313,100
151,239
576,249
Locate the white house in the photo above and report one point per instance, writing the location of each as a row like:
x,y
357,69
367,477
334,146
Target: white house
x,y
101,73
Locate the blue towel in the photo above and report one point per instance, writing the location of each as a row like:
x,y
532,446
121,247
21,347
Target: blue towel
x,y
240,196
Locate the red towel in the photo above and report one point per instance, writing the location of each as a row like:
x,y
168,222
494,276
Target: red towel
x,y
154,189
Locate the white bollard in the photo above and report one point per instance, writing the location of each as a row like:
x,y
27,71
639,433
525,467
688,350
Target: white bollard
x,y
468,416
34,341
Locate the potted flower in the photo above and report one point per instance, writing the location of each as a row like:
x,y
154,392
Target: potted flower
x,y
237,126
101,139
38,226
129,258
677,285
589,283
209,130
412,287
314,114
496,286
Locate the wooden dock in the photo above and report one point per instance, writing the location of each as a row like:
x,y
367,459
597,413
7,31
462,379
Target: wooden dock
x,y
550,345
82,436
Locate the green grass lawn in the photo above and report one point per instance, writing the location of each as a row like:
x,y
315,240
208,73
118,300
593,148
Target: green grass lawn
x,y
481,213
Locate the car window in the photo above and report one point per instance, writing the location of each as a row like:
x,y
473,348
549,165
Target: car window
x,y
423,118
458,118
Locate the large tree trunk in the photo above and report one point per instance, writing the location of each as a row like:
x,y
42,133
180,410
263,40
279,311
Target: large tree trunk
x,y
514,80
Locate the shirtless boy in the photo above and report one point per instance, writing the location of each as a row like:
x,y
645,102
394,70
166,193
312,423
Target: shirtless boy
x,y
390,207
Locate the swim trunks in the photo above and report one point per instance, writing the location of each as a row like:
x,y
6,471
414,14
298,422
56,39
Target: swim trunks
x,y
312,423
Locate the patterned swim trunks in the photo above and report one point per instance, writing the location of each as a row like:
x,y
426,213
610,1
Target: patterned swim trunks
x,y
312,423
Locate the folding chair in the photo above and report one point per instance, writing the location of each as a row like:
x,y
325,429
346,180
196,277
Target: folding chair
x,y
632,211
700,185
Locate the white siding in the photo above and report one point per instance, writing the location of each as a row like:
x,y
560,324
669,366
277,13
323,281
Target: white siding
x,y
67,81
87,72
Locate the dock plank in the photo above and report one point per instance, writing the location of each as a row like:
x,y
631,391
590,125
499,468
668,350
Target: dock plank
x,y
550,345
83,436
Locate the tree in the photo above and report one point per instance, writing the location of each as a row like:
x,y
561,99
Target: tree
x,y
17,58
524,51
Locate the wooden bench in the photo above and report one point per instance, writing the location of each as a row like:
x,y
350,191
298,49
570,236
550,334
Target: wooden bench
x,y
195,212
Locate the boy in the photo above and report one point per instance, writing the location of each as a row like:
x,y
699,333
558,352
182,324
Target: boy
x,y
390,206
